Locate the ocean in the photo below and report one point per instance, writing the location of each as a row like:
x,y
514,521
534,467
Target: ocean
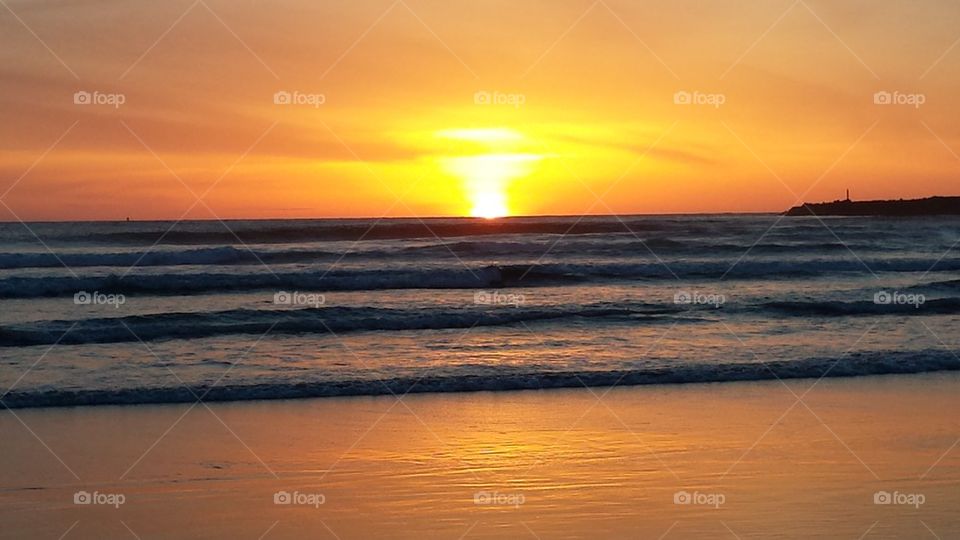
x,y
161,312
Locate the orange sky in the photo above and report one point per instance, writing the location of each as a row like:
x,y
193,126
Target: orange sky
x,y
439,107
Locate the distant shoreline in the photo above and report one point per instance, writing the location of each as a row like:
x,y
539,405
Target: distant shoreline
x,y
929,206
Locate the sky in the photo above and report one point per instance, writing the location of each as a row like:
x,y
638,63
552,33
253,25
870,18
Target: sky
x,y
203,109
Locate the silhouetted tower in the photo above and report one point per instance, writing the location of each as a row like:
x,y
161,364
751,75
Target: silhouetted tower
x,y
848,194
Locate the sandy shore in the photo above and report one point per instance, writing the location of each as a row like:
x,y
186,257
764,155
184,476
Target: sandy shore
x,y
750,459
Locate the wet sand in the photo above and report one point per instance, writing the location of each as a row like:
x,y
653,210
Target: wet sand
x,y
737,460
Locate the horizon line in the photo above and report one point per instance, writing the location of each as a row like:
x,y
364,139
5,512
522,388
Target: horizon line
x,y
476,218
384,218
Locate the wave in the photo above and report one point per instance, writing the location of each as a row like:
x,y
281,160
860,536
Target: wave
x,y
240,255
215,282
459,276
938,306
854,365
631,246
948,286
225,255
302,320
273,232
340,319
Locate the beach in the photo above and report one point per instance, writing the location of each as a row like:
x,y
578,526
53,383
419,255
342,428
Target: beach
x,y
734,460
748,379
416,270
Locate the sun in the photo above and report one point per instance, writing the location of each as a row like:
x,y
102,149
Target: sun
x,y
489,160
489,205
486,179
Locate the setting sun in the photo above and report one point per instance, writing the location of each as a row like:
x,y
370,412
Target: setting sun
x,y
490,160
486,178
489,206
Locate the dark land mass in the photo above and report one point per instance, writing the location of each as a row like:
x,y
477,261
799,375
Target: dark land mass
x,y
931,206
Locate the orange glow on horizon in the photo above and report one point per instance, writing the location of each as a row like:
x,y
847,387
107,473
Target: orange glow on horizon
x,y
466,112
